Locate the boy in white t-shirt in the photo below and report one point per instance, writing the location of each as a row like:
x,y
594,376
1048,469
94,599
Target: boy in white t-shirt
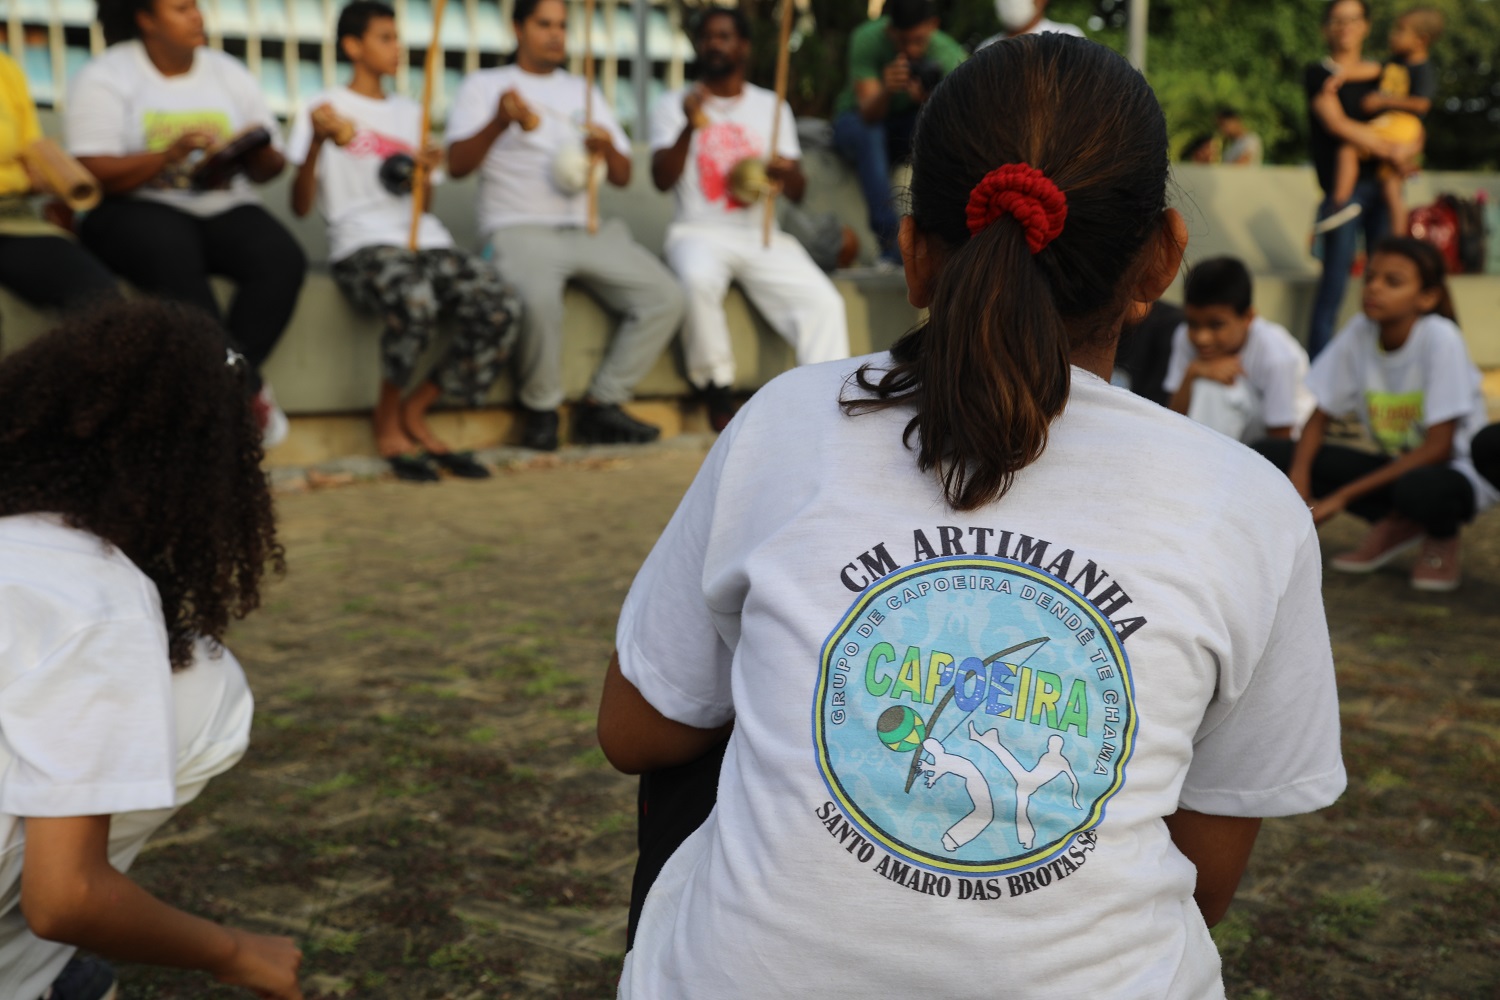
x,y
363,180
522,127
700,140
1232,369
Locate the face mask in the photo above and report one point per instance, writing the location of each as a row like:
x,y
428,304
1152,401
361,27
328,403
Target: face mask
x,y
1015,14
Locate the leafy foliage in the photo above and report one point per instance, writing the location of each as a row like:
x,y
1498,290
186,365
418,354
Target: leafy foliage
x,y
1202,55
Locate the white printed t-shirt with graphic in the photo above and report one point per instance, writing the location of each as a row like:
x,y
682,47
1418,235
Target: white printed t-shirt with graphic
x,y
120,104
738,127
86,711
1275,368
359,210
956,735
1399,394
515,180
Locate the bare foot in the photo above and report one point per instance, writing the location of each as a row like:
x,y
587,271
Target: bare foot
x,y
391,438
414,418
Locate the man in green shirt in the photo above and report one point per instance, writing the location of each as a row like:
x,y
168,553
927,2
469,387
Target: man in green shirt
x,y
894,63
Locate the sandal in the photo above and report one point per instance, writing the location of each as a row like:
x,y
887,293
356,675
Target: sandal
x,y
412,468
460,463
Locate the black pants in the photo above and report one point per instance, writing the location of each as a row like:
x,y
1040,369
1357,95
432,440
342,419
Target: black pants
x,y
1484,450
171,254
54,271
671,804
1438,497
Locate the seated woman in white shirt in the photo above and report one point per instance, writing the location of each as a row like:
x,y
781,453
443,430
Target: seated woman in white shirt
x,y
141,117
135,524
960,540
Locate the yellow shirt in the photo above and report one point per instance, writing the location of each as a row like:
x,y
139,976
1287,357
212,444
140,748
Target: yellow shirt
x,y
18,127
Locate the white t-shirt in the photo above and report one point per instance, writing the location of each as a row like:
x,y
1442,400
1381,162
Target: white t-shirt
x,y
360,211
1161,638
1399,394
86,710
515,181
1275,367
120,104
1041,27
739,127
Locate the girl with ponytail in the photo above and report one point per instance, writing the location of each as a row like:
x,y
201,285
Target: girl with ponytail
x,y
1011,663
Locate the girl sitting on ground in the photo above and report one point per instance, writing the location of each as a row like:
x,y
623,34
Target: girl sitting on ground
x,y
1403,367
135,523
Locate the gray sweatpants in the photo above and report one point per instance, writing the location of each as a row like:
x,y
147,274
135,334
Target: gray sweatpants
x,y
539,261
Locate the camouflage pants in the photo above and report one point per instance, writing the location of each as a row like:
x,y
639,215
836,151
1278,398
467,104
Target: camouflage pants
x,y
411,291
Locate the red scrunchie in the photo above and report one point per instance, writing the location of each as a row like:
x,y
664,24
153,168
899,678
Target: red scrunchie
x,y
1024,192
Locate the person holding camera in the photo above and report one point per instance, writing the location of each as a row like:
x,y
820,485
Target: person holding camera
x,y
894,64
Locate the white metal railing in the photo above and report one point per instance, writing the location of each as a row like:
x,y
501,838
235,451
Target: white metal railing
x,y
290,48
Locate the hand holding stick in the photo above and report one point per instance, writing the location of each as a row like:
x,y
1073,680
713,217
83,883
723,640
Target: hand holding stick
x,y
588,112
421,177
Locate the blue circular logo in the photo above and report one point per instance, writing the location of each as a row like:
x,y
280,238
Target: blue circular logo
x,y
973,715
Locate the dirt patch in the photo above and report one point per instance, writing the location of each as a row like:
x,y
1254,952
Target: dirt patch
x,y
424,805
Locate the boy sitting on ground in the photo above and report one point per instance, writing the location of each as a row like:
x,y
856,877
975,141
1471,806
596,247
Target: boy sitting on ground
x,y
1232,369
1408,84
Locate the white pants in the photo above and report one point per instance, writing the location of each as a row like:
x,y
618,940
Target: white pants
x,y
213,709
781,281
1232,410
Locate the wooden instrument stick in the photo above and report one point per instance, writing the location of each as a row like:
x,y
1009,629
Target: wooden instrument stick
x,y
783,58
63,175
588,112
419,178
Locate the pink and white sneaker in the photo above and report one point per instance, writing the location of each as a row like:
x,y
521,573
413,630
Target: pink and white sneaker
x,y
1388,538
1437,569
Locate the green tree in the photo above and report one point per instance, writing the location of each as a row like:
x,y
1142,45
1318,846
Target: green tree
x,y
1202,55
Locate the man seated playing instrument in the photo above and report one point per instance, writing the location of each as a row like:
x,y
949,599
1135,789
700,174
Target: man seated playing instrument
x,y
524,127
711,144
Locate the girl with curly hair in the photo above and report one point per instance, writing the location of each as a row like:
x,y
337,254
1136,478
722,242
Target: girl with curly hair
x,y
135,523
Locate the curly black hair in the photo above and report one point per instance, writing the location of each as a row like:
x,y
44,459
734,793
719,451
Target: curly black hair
x,y
133,422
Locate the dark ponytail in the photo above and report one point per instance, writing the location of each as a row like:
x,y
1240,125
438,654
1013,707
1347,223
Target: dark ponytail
x,y
989,369
117,19
1431,269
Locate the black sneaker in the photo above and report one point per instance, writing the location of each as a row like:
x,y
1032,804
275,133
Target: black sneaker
x,y
83,979
720,405
540,430
608,424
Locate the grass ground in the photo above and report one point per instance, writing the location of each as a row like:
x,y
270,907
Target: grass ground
x,y
425,808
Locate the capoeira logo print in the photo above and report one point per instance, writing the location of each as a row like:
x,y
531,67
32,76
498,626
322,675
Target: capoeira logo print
x,y
973,715
720,146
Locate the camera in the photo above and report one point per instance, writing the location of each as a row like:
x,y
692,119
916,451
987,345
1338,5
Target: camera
x,y
927,72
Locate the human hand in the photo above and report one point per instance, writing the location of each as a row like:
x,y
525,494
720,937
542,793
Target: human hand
x,y
896,76
1333,83
780,170
431,157
1222,369
692,106
1330,505
597,141
1374,103
327,124
264,964
189,142
513,108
